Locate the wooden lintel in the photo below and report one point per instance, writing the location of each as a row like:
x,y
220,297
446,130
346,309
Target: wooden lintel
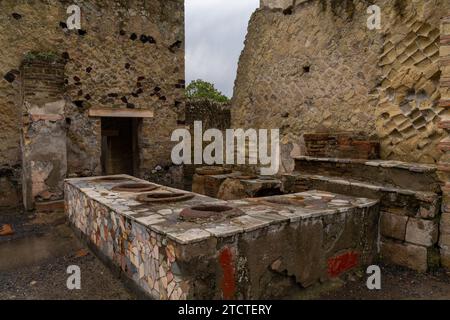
x,y
120,113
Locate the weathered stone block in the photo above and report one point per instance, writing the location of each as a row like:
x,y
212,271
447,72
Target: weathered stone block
x,y
232,189
422,232
444,241
429,211
445,51
406,255
393,226
445,223
198,184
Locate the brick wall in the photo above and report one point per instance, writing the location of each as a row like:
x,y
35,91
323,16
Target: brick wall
x,y
341,145
43,141
42,80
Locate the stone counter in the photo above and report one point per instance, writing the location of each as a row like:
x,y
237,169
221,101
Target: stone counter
x,y
276,244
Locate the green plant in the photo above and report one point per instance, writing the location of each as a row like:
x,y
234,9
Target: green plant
x,y
46,56
202,89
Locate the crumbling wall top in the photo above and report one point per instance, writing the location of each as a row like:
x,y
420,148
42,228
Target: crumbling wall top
x,y
280,4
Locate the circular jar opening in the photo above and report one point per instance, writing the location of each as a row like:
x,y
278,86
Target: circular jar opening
x,y
110,179
212,209
266,178
160,197
246,177
298,200
135,187
209,212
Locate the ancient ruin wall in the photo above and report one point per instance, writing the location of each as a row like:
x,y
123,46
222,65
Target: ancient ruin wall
x,y
316,67
129,54
213,115
444,165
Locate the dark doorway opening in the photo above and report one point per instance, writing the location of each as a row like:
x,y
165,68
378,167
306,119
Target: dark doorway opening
x,y
268,192
119,146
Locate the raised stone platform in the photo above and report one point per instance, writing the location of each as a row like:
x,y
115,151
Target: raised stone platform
x,y
262,249
410,201
397,174
419,204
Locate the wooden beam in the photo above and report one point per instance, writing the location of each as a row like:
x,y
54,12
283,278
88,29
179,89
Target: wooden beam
x,y
120,113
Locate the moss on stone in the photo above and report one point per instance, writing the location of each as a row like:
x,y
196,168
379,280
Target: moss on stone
x,y
47,56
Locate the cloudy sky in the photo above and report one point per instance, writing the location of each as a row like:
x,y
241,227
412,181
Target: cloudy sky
x,y
215,34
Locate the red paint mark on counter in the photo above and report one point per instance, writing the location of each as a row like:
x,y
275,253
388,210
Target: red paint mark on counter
x,y
228,284
340,264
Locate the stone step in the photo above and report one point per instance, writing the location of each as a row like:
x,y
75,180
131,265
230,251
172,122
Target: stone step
x,y
395,174
420,204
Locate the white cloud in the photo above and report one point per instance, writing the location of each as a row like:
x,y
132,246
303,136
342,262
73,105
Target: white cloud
x,y
215,34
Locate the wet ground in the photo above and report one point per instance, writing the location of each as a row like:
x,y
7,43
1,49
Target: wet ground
x,y
396,284
34,261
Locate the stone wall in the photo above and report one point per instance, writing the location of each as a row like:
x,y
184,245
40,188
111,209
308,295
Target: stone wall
x,y
444,165
128,55
332,73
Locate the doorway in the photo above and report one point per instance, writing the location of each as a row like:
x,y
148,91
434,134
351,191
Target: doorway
x,y
120,146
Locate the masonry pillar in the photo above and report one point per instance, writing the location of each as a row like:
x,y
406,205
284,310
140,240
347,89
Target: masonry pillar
x,y
444,165
43,140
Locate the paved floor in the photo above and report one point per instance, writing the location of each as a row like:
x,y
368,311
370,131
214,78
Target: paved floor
x,y
34,261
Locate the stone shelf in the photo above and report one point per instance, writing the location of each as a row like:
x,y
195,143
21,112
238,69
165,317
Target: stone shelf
x,y
413,167
395,174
